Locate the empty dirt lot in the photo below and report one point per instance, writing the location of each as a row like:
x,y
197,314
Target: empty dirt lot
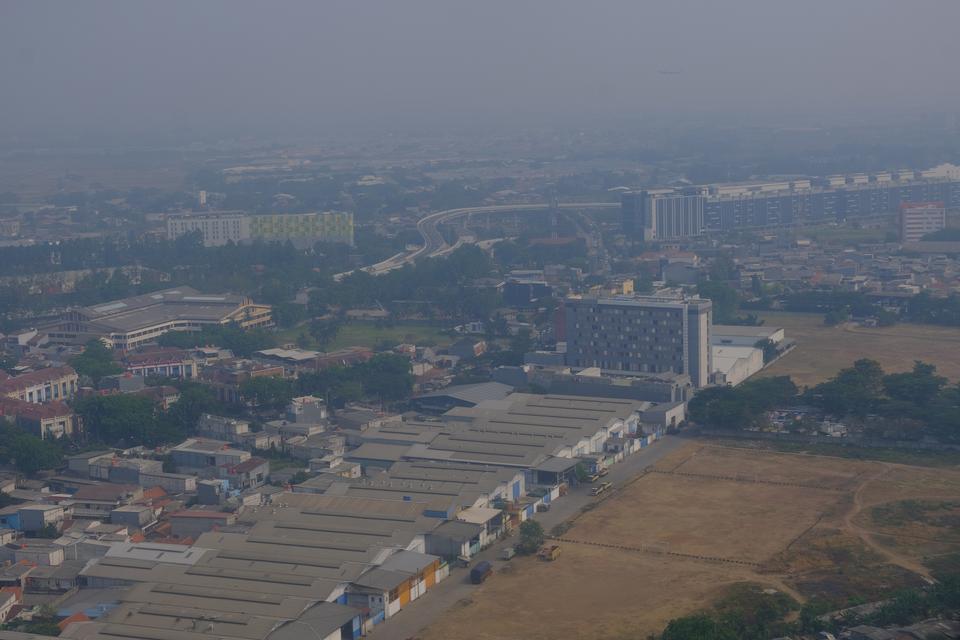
x,y
708,517
822,351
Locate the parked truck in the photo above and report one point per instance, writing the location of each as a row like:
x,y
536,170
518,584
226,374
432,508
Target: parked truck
x,y
481,571
508,553
549,552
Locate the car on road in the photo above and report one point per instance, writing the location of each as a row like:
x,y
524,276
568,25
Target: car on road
x,y
508,553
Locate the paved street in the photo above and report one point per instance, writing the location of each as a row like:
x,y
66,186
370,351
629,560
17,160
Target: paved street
x,y
419,614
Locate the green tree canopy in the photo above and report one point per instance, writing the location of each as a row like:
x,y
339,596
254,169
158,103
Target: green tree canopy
x,y
27,452
743,406
95,362
270,392
857,390
697,627
531,536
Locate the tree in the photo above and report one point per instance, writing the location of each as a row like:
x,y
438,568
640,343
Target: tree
x,y
95,362
387,376
126,418
43,623
267,391
289,314
28,452
180,420
697,627
857,390
242,342
324,332
724,298
741,407
531,537
836,316
920,386
886,318
723,268
581,472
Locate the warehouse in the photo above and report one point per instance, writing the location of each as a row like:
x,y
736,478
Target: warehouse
x,y
461,395
312,551
128,323
525,429
740,336
733,365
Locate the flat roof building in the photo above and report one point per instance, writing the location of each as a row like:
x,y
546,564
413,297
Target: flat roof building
x,y
918,219
641,334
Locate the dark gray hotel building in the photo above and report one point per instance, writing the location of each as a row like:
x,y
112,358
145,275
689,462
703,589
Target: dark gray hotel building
x,y
641,335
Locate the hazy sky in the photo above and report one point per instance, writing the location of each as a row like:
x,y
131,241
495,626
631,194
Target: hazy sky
x,y
133,64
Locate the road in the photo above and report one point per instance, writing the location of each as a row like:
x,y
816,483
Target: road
x,y
434,244
422,612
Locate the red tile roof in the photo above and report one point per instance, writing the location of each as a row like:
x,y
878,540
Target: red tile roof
x,y
79,616
32,410
33,378
154,493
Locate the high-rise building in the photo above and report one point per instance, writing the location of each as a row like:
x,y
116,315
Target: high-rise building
x,y
641,335
917,219
671,213
217,229
329,226
303,229
662,214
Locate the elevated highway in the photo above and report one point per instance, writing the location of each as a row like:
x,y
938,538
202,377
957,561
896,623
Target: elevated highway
x,y
434,244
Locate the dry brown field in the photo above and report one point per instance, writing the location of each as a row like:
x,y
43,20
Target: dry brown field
x,y
822,351
709,517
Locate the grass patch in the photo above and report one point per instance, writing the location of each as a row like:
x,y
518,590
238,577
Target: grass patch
x,y
835,567
944,566
363,334
368,334
898,456
930,512
291,335
748,600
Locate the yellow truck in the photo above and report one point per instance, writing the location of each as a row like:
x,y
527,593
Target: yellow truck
x,y
549,552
